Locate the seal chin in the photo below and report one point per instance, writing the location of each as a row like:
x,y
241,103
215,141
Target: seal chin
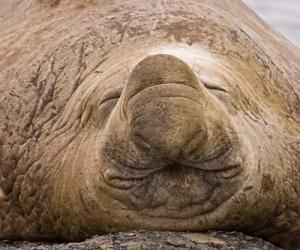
x,y
188,211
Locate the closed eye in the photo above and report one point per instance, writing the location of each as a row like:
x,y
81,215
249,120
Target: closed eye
x,y
213,86
111,94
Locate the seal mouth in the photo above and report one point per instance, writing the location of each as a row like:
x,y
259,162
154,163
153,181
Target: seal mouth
x,y
174,191
130,174
121,171
117,179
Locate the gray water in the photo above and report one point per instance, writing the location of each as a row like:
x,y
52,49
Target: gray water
x,y
282,15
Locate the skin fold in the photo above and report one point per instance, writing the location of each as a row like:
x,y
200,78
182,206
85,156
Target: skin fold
x,y
157,115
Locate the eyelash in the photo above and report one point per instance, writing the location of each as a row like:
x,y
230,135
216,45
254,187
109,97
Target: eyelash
x,y
104,100
110,95
214,87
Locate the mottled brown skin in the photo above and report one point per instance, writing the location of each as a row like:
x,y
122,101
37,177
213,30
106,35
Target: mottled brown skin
x,y
157,115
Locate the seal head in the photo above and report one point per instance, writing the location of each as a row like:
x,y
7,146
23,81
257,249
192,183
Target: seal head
x,y
175,152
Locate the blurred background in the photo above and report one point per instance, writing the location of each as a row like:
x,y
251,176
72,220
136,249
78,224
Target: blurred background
x,y
283,16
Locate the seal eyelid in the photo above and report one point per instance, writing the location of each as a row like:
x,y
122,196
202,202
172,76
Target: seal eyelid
x,y
209,84
111,94
213,86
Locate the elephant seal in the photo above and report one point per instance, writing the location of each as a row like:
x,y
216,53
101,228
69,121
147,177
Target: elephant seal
x,y
157,115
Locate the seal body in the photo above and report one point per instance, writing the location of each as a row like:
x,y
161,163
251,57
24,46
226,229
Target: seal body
x,y
157,115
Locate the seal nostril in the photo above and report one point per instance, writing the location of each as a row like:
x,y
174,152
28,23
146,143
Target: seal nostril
x,y
140,141
195,143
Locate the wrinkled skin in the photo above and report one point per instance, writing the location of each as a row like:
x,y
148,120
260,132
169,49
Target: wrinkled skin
x,y
157,115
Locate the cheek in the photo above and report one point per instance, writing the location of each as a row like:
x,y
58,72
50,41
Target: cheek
x,y
225,100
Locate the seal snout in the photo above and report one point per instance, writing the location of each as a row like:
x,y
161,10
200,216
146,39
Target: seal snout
x,y
158,70
163,104
168,126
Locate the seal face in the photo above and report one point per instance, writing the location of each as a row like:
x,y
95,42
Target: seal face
x,y
177,116
176,149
